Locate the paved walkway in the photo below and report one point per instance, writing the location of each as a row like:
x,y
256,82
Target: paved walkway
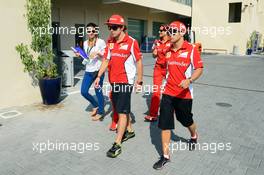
x,y
228,108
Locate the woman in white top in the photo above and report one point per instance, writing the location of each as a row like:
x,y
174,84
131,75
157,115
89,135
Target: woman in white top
x,y
94,48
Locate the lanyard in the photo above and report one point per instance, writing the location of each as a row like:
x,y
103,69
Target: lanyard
x,y
90,49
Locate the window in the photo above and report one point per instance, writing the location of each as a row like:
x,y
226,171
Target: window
x,y
136,28
156,27
185,2
80,35
235,12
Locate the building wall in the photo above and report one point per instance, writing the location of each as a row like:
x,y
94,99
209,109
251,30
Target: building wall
x,y
211,14
69,13
16,88
166,5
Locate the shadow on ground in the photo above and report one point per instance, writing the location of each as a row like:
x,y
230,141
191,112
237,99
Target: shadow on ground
x,y
155,135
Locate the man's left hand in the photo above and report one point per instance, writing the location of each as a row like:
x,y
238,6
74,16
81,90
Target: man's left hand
x,y
138,86
185,84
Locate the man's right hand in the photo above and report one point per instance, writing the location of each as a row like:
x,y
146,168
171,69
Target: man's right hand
x,y
155,53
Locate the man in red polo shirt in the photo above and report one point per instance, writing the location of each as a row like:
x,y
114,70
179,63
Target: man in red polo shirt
x,y
125,59
160,47
184,67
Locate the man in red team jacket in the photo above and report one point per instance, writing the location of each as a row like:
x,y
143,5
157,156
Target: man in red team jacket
x,y
123,55
159,49
184,67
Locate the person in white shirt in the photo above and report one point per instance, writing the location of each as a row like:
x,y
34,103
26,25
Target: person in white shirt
x,y
94,48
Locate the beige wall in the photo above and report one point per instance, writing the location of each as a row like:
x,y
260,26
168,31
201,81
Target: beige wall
x,y
16,88
165,5
208,13
68,14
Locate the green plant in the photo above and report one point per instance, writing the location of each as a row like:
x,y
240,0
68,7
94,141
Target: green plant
x,y
249,44
38,57
251,40
253,36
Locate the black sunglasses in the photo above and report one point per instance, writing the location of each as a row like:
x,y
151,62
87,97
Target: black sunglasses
x,y
163,30
91,31
114,27
173,31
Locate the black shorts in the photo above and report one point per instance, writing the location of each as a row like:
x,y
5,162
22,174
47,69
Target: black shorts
x,y
121,97
182,108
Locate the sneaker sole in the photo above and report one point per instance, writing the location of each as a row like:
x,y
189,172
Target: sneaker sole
x,y
192,147
161,167
151,120
113,155
126,139
112,129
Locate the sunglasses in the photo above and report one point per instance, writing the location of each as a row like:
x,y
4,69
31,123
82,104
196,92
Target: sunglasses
x,y
163,30
91,31
173,32
113,27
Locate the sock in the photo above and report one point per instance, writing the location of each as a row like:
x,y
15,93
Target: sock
x,y
166,156
130,130
118,143
194,137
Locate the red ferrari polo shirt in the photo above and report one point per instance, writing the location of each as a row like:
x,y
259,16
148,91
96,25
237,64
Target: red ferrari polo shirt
x,y
181,64
162,48
122,58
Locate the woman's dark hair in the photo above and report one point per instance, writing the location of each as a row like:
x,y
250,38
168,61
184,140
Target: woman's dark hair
x,y
91,25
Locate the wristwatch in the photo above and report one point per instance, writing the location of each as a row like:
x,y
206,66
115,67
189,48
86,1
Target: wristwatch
x,y
140,83
191,81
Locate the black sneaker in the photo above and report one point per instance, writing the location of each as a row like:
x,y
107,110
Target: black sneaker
x,y
160,164
114,151
128,135
192,144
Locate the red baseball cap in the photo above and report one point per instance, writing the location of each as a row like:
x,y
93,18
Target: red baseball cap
x,y
116,20
178,25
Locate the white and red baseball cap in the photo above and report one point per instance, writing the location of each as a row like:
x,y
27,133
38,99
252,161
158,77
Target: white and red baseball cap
x,y
116,20
179,26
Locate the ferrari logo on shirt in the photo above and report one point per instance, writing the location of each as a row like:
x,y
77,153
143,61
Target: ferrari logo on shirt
x,y
111,45
180,52
184,55
168,54
123,47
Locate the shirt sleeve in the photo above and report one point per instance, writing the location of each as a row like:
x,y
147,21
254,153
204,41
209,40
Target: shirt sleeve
x,y
154,45
197,61
136,51
107,52
85,46
102,47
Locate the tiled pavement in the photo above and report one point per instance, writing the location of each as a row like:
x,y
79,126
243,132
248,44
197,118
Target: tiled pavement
x,y
228,108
